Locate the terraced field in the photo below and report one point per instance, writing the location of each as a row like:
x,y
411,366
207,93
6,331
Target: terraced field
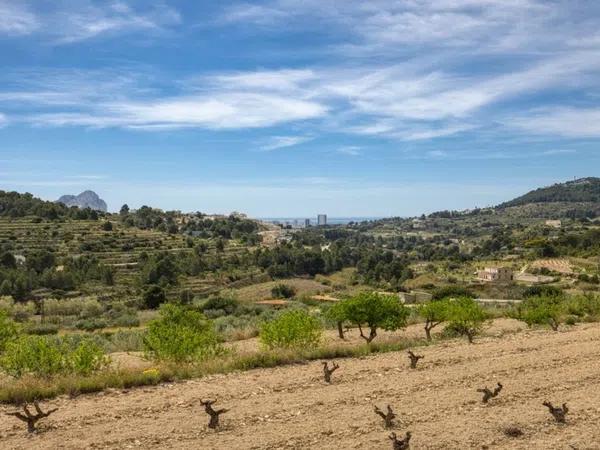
x,y
119,248
291,408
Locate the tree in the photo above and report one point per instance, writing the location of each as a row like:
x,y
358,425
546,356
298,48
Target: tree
x,y
434,313
124,211
465,317
154,296
283,291
8,260
374,310
107,226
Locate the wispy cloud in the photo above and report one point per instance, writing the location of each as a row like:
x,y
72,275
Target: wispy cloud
x,y
16,19
277,142
69,22
561,121
3,120
350,150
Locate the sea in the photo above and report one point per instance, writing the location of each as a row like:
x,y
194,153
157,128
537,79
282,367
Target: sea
x,y
313,220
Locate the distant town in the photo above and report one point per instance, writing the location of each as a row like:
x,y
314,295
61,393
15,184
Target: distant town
x,y
319,220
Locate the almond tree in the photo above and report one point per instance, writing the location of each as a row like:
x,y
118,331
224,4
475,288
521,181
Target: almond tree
x,y
373,311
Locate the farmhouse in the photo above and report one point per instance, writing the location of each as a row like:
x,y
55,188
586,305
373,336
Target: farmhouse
x,y
553,223
497,274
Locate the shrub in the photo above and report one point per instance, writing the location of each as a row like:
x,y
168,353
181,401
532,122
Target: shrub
x,y
43,356
86,358
283,291
126,320
465,317
154,296
8,330
42,329
291,329
544,310
220,305
181,334
452,292
584,306
91,324
542,291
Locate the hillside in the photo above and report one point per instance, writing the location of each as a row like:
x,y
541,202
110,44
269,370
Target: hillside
x,y
583,190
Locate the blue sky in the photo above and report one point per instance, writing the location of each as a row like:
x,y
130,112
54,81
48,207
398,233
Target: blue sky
x,y
295,107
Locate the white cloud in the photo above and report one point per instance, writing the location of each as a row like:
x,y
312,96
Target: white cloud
x,y
16,19
277,142
3,120
68,22
350,150
217,111
561,121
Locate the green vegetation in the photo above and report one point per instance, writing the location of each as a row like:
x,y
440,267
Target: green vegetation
x,y
181,334
582,190
465,317
434,313
374,310
291,329
283,291
175,286
44,356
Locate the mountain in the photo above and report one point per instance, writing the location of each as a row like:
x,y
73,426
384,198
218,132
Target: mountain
x,y
87,199
583,190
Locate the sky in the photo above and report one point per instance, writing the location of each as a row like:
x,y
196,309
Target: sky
x,y
290,108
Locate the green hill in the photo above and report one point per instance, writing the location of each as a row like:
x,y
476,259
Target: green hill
x,y
583,190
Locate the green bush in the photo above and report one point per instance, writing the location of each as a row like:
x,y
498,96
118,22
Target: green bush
x,y
465,317
44,356
42,329
452,292
291,329
181,334
584,306
283,291
91,324
543,310
8,330
154,296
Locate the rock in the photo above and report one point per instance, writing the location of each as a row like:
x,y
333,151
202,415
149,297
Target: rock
x,y
87,199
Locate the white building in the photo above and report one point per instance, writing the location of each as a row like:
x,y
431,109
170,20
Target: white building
x,y
322,219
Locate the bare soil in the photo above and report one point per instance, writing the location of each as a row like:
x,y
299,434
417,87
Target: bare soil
x,y
292,408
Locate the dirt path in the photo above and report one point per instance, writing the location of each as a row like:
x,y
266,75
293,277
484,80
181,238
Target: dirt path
x,y
291,408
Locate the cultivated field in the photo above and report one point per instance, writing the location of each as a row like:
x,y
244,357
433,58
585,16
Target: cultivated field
x,y
292,408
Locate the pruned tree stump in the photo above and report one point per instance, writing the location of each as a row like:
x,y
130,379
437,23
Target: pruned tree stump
x,y
488,394
29,418
388,417
400,444
214,414
559,413
327,371
414,359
